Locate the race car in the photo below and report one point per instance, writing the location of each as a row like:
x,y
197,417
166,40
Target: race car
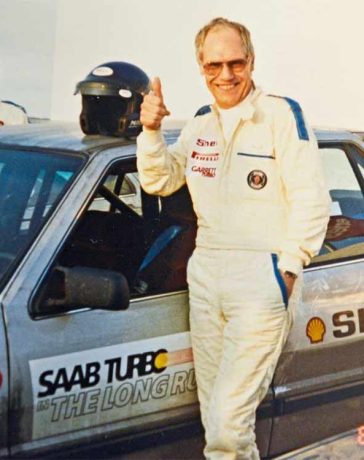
x,y
94,331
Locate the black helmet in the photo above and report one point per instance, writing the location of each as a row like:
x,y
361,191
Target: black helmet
x,y
111,97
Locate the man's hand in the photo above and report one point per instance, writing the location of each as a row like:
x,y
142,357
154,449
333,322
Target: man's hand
x,y
289,282
153,109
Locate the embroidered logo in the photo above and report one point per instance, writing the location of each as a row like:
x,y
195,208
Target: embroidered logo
x,y
206,143
205,156
257,179
203,171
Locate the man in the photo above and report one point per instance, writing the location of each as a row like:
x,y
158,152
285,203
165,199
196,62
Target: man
x,y
253,170
12,114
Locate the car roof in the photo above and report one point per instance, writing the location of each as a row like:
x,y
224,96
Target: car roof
x,y
326,134
55,136
68,137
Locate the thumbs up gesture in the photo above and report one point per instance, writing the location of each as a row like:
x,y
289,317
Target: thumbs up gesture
x,y
153,109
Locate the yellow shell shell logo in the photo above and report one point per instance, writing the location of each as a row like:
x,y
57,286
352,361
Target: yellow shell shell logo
x,y
315,330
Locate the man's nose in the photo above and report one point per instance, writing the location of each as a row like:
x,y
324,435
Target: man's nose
x,y
226,72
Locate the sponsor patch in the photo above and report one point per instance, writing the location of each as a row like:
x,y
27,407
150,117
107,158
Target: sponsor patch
x,y
203,171
315,330
206,143
205,156
257,179
204,163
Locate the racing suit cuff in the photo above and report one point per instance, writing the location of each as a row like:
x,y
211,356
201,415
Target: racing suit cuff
x,y
149,138
290,263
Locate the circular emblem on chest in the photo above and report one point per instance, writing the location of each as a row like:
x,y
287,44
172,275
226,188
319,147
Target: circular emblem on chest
x,y
257,179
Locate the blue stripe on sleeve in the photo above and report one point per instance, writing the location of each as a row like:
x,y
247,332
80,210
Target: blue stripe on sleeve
x,y
298,115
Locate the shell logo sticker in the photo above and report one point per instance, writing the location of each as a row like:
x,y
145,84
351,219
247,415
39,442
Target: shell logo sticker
x,y
257,179
315,330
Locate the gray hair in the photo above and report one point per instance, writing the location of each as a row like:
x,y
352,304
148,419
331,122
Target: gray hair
x,y
223,23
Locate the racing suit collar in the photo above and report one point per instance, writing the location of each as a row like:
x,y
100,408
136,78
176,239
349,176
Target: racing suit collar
x,y
246,106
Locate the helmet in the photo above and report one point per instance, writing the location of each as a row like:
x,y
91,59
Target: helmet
x,y
111,97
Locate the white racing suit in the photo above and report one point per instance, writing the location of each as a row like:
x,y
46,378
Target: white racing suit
x,y
12,114
262,206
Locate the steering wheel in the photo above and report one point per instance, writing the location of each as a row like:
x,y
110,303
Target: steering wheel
x,y
114,200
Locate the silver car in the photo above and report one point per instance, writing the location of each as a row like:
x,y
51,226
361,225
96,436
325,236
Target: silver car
x,y
94,335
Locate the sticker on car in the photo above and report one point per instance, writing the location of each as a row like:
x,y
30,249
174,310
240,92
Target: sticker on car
x,y
89,388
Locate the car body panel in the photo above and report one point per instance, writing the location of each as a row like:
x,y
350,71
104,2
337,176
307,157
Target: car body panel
x,y
4,388
316,379
89,375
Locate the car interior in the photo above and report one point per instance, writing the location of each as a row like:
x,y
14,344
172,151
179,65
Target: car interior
x,y
148,241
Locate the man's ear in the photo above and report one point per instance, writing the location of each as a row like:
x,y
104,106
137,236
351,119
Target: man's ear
x,y
252,63
199,62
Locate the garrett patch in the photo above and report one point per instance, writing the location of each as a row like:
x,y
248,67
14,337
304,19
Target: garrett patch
x,y
257,179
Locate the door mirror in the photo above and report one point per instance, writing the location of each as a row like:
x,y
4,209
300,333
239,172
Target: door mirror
x,y
85,287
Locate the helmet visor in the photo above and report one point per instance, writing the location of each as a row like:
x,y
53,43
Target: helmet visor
x,y
105,112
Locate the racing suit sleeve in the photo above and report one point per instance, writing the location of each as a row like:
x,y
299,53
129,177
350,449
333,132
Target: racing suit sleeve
x,y
161,168
306,193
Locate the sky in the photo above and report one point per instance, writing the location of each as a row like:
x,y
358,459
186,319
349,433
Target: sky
x,y
309,50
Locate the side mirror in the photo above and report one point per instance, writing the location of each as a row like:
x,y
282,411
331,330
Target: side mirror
x,y
86,287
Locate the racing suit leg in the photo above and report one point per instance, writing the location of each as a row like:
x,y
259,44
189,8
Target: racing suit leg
x,y
239,324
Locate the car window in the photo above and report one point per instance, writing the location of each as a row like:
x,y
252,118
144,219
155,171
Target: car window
x,y
344,177
31,184
149,246
126,187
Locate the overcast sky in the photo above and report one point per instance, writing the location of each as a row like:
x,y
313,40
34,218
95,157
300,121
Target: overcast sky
x,y
310,50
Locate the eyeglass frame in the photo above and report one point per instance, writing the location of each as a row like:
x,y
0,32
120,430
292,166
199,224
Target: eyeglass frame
x,y
243,62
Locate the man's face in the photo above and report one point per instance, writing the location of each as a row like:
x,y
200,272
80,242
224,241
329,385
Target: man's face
x,y
233,82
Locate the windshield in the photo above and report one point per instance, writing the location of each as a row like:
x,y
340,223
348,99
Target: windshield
x,y
31,184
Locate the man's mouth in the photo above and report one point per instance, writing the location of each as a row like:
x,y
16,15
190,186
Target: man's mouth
x,y
226,87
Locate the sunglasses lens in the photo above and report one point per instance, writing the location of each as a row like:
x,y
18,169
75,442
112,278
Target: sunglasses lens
x,y
238,65
214,68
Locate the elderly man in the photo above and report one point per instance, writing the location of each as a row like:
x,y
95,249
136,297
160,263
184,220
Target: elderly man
x,y
253,170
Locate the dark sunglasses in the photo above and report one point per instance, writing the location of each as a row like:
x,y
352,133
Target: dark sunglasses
x,y
212,69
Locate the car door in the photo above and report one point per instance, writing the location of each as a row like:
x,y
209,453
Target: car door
x,y
4,399
90,374
319,381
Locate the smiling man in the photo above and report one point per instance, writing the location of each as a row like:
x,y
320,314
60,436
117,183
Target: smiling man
x,y
253,170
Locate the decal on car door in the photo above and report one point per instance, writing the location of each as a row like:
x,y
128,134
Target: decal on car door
x,y
102,385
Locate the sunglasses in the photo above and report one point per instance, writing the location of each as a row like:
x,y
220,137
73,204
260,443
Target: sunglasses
x,y
212,69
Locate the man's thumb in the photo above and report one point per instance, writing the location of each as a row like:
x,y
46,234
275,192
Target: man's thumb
x,y
156,87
